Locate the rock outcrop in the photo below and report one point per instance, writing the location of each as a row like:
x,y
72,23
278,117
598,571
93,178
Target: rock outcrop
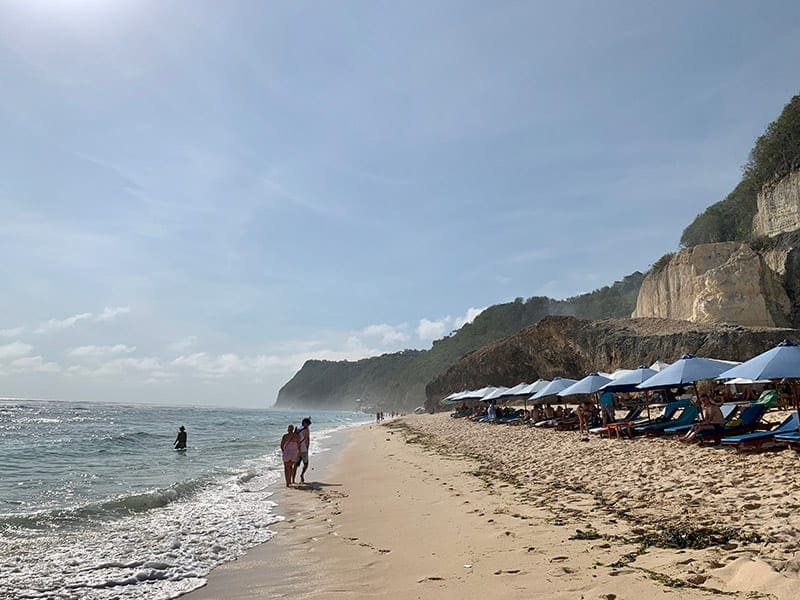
x,y
778,207
570,347
727,282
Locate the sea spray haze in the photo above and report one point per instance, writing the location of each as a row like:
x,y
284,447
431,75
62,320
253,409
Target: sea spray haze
x,y
95,503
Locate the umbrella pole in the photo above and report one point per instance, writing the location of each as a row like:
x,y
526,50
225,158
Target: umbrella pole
x,y
696,393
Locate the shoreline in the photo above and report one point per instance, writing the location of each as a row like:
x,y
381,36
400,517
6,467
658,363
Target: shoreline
x,y
433,507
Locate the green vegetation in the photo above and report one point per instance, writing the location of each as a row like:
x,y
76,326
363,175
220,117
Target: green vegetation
x,y
398,380
662,262
775,154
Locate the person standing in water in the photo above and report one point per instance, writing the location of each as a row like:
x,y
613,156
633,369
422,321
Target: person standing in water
x,y
305,443
180,441
290,449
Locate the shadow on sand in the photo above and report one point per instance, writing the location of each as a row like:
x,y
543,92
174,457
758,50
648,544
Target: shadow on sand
x,y
315,486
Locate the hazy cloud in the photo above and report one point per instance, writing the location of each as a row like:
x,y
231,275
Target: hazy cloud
x,y
101,350
33,364
183,344
58,324
109,314
388,334
429,330
15,349
12,332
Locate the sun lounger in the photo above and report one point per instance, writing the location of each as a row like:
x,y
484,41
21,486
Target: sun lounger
x,y
686,417
728,412
632,415
761,439
768,398
746,422
792,439
621,428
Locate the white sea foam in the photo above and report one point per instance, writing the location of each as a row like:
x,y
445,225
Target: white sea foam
x,y
158,554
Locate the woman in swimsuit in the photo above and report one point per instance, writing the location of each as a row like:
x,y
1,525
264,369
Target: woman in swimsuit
x,y
290,448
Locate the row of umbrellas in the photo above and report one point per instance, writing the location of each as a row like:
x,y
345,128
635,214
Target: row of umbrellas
x,y
781,362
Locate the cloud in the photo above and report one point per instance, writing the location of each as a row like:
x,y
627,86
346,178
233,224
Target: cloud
x,y
101,350
34,364
388,334
429,330
149,367
109,314
12,332
58,324
15,349
183,344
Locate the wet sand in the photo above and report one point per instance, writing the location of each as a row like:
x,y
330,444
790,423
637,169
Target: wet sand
x,y
433,507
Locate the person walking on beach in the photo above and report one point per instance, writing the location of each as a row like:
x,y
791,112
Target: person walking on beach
x,y
180,441
304,436
290,449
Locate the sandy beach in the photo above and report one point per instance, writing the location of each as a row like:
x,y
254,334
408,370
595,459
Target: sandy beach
x,y
433,507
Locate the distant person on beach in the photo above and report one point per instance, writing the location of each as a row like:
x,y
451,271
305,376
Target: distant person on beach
x,y
585,414
180,441
304,435
712,418
607,408
290,449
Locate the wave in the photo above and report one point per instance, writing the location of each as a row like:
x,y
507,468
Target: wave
x,y
114,508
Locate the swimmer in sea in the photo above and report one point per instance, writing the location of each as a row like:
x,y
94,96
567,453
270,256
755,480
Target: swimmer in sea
x,y
180,441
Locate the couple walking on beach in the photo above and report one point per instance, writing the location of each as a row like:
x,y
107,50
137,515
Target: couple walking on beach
x,y
294,448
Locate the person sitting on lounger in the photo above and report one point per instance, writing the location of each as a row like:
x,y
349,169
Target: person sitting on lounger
x,y
549,413
712,418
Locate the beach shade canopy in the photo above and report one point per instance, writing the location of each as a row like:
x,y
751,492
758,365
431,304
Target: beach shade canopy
x,y
477,394
588,385
630,380
782,362
745,381
536,386
686,370
659,366
494,394
517,390
454,398
553,387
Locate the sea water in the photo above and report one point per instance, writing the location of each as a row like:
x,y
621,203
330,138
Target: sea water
x,y
96,503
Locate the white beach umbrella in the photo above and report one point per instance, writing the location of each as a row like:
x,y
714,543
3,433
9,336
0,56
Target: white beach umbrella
x,y
517,390
659,366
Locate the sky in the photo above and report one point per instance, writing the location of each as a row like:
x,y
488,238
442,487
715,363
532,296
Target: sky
x,y
196,197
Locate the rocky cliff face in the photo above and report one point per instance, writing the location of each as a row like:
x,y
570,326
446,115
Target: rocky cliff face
x,y
778,207
727,282
570,347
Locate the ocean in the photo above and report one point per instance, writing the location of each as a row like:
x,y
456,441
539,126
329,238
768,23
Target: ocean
x,y
95,503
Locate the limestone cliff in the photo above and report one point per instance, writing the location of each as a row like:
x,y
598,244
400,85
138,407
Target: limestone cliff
x,y
778,207
570,347
727,282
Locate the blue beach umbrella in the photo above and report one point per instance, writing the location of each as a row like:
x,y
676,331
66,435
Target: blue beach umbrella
x,y
781,362
517,390
629,381
493,394
588,385
688,369
553,387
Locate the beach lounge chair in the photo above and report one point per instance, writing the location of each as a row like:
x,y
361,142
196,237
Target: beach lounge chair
x,y
687,416
627,427
792,439
760,439
728,412
667,414
746,422
768,398
632,415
